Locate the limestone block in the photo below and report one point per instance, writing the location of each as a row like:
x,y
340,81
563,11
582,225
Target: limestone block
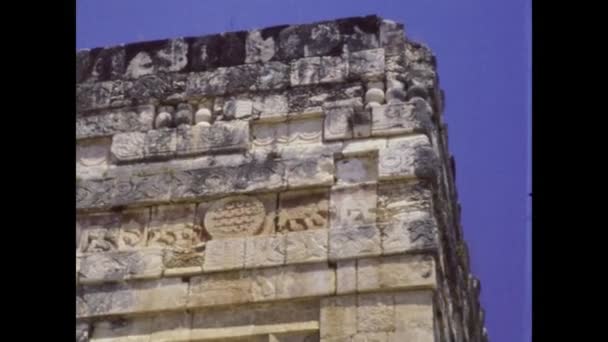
x,y
219,289
172,226
154,88
267,316
309,172
111,122
171,56
395,272
258,174
221,137
354,241
412,231
181,259
129,189
258,48
122,329
367,64
100,64
375,312
118,266
170,327
398,198
356,170
305,131
132,297
363,147
269,134
262,251
306,280
100,95
99,232
392,37
412,157
307,246
346,277
333,69
160,143
303,210
224,254
305,71
338,317
337,123
274,107
414,316
320,38
238,109
352,206
263,283
128,146
361,34
207,83
401,118
92,154
273,75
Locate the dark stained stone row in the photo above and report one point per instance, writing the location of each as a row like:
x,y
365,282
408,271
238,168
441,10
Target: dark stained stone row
x,y
196,54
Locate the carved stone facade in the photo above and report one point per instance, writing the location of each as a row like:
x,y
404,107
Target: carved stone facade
x,y
285,184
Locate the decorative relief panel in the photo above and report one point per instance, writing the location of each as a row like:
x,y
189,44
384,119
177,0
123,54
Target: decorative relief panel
x,y
353,205
238,216
99,232
173,227
397,198
294,132
303,210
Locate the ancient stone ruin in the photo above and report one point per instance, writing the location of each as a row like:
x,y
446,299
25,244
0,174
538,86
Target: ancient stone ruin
x,y
285,184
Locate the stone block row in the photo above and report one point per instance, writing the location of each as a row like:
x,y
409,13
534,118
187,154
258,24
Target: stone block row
x,y
251,286
368,220
273,76
277,105
261,174
378,317
183,141
279,43
225,137
403,158
294,321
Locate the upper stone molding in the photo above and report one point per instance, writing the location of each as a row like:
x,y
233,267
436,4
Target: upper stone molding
x,y
196,54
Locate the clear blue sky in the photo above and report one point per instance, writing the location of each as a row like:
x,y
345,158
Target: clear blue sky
x,y
483,50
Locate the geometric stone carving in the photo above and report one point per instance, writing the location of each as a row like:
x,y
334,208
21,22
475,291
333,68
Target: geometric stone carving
x,y
353,205
337,122
235,216
411,157
400,118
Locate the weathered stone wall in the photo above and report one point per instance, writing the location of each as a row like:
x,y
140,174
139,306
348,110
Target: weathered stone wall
x,y
285,184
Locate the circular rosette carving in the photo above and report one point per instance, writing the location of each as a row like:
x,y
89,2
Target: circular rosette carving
x,y
235,216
